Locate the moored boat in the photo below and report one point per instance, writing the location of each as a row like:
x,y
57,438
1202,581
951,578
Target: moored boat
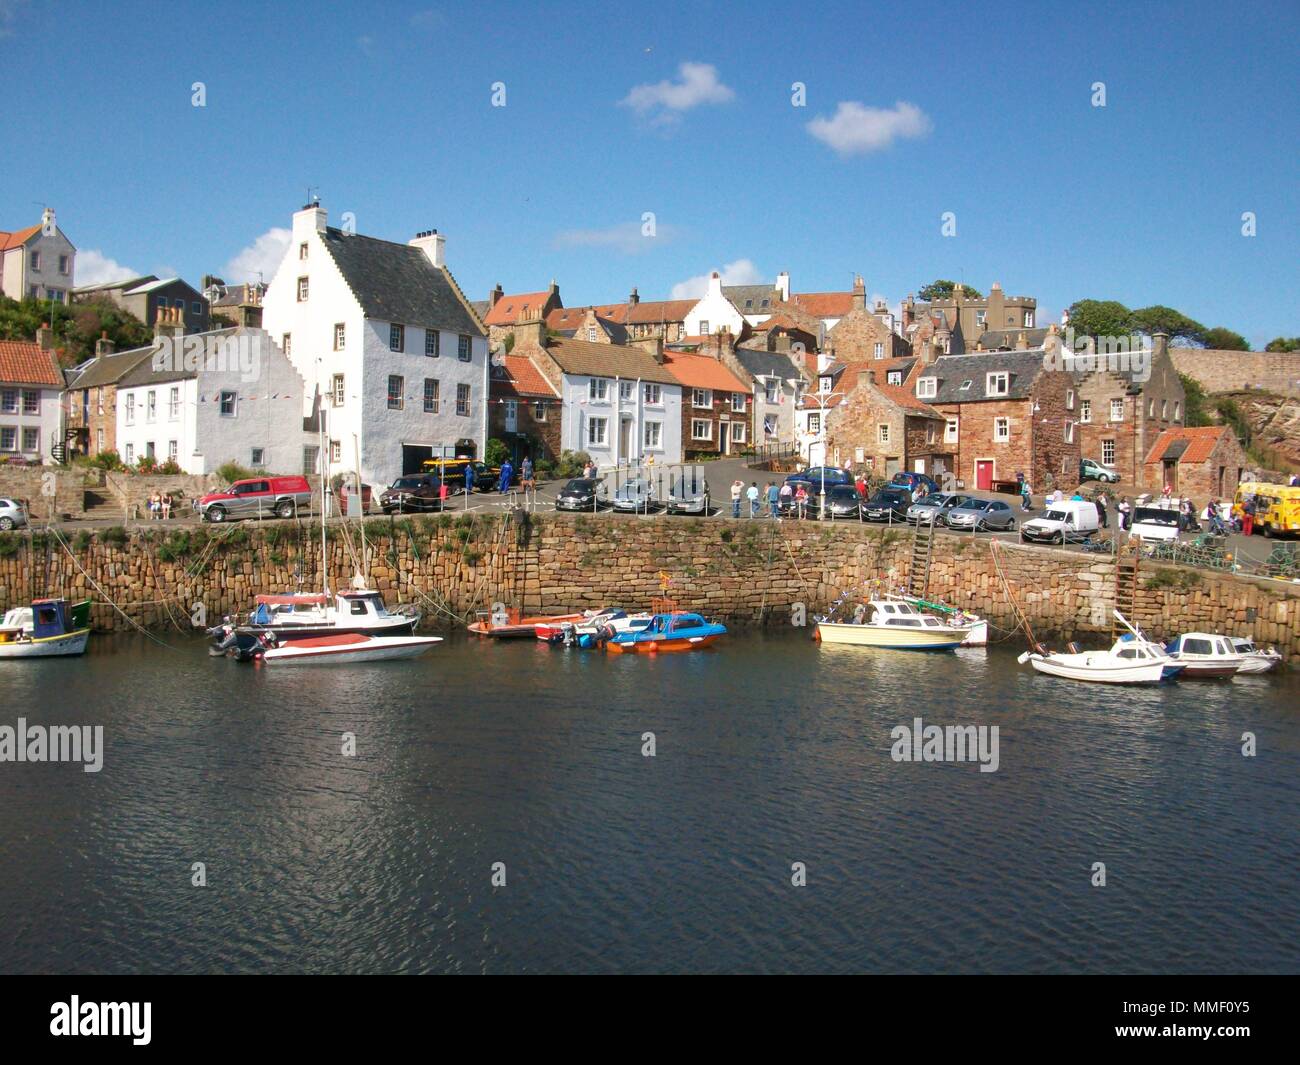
x,y
667,633
892,621
596,629
1205,655
308,614
1133,659
1255,659
977,629
47,628
512,626
344,648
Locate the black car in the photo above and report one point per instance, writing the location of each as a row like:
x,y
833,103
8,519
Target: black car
x,y
813,478
842,501
581,493
888,504
415,491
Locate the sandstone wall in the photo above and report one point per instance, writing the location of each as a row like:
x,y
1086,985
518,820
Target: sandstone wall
x,y
1228,371
30,482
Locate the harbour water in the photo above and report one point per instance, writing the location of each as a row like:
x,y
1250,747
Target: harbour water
x,y
769,751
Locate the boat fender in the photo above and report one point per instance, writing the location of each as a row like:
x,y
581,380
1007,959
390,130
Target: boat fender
x,y
1024,657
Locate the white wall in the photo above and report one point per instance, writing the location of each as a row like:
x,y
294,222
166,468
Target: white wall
x,y
579,408
713,312
47,421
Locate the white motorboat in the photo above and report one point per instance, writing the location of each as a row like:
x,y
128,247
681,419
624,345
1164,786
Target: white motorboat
x,y
604,625
1255,659
345,648
1133,659
977,629
892,622
46,629
1205,655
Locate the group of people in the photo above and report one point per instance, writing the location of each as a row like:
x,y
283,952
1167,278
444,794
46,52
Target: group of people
x,y
777,497
526,475
160,506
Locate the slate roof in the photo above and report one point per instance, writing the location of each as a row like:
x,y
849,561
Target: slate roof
x,y
143,372
1187,445
607,360
748,299
108,286
952,371
25,363
398,283
762,363
994,339
106,371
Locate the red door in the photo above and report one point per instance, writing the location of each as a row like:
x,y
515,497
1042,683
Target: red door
x,y
984,475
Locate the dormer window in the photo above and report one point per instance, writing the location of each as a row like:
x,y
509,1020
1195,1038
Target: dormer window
x,y
894,377
927,388
997,384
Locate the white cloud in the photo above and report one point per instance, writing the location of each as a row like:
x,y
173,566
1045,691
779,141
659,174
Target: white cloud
x,y
627,238
856,129
263,257
741,272
93,267
664,101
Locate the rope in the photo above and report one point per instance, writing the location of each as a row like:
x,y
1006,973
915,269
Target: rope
x,y
1006,587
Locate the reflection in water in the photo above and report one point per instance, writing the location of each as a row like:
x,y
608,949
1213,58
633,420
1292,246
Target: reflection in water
x,y
770,751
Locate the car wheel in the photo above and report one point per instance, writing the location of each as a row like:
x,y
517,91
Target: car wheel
x,y
284,510
6,524
1059,540
1267,530
216,514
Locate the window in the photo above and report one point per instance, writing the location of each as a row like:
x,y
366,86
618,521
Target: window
x,y
336,390
130,454
463,348
161,301
701,429
825,384
539,410
1069,432
625,390
1029,319
150,405
1069,399
1117,410
882,433
927,387
894,377
462,400
431,395
173,450
397,338
997,384
815,423
130,408
596,431
772,390
1085,412
704,327
981,317
396,387
35,259
1178,411
965,386
737,432
769,425
597,389
31,438
228,404
432,346
99,400
512,412
286,343
336,451
654,395
31,401
9,439
931,432
65,264
196,307
259,456
1002,429
302,250
879,350
738,402
653,435
173,404
99,440
950,430
340,336
9,401
702,398
1164,410
302,290
1108,452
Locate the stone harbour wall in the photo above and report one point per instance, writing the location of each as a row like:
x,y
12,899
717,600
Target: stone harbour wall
x,y
743,572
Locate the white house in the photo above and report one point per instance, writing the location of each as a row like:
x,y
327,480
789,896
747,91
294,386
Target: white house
x,y
38,262
392,353
778,390
206,399
31,406
810,415
714,311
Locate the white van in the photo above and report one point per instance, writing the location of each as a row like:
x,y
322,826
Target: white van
x,y
1155,523
1070,519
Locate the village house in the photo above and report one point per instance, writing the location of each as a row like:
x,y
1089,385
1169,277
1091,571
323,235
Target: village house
x,y
883,427
502,311
866,333
227,395
38,262
144,297
92,396
31,407
231,305
716,405
619,403
525,409
973,316
714,312
393,355
776,386
1197,463
814,410
596,325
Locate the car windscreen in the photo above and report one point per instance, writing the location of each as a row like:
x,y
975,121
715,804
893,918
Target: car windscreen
x,y
1056,515
885,498
579,485
934,499
409,483
843,491
1156,516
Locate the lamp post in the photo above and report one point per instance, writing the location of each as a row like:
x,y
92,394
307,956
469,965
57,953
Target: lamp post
x,y
823,399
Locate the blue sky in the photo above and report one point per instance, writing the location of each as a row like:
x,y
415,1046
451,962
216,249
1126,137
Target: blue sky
x,y
985,112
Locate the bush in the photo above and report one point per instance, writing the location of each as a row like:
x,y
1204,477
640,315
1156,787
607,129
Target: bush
x,y
171,466
496,452
230,472
114,534
108,460
571,463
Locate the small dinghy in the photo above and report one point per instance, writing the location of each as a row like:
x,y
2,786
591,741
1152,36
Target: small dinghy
x,y
1255,659
667,633
1133,659
597,629
47,628
1205,656
513,626
345,648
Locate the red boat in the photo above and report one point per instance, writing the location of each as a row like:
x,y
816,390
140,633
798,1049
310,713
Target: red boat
x,y
513,627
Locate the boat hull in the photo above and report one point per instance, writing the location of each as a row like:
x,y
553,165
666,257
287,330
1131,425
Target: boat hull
x,y
900,638
521,629
341,650
398,626
1085,667
71,643
663,645
1209,669
1258,663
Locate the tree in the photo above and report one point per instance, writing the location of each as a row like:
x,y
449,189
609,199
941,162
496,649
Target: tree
x,y
76,328
942,290
1283,344
1195,408
1161,319
496,452
1224,339
1100,318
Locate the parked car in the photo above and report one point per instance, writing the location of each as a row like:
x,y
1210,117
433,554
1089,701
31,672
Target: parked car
x,y
982,514
1095,471
688,493
888,504
415,491
257,497
1155,524
486,477
919,483
12,514
1070,519
934,507
842,501
813,478
582,493
635,494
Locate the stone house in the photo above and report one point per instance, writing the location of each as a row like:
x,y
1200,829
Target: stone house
x,y
394,357
38,262
92,396
714,312
866,333
31,405
716,405
504,311
883,427
147,297
526,412
1004,412
1197,463
776,385
975,316
592,324
618,402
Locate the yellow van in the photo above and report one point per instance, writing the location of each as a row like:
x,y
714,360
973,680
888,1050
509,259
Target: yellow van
x,y
1277,507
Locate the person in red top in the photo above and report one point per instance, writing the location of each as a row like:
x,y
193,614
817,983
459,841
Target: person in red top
x,y
861,486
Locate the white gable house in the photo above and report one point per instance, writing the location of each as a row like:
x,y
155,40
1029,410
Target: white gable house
x,y
392,352
714,312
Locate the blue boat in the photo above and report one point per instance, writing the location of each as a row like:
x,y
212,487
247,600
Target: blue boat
x,y
668,633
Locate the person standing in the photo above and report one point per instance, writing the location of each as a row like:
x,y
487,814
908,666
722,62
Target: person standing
x,y
1123,509
469,479
526,473
1026,496
1102,517
786,496
507,472
773,497
801,499
1248,516
751,493
737,487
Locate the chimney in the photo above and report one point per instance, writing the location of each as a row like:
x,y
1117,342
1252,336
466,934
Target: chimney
x,y
715,284
783,285
1022,342
1159,345
168,322
634,299
859,292
249,315
104,346
45,337
554,290
654,345
495,295
47,220
866,377
310,219
530,332
434,245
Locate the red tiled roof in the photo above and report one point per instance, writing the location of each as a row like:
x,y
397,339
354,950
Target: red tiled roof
x,y
24,363
521,375
507,309
13,240
702,371
823,304
778,321
659,311
1201,443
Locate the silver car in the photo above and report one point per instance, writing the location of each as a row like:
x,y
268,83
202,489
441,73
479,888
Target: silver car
x,y
979,515
12,515
636,494
688,495
934,507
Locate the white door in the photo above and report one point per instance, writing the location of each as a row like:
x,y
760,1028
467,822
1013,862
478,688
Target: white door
x,y
512,415
918,466
625,438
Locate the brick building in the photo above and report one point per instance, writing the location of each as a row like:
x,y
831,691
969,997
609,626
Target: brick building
x,y
1196,463
525,410
866,333
716,404
882,426
502,311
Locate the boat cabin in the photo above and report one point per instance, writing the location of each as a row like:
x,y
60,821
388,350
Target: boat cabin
x,y
900,614
46,618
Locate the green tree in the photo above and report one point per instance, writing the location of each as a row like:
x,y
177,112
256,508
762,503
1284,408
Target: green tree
x,y
1196,410
942,290
1223,339
76,328
1283,344
496,452
1100,318
1161,319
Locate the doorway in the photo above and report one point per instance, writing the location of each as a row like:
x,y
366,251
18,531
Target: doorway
x,y
625,438
984,475
413,456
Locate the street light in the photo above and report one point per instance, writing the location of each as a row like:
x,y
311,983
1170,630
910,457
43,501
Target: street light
x,y
823,398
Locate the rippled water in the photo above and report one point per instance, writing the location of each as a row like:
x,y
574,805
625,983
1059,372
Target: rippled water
x,y
770,751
